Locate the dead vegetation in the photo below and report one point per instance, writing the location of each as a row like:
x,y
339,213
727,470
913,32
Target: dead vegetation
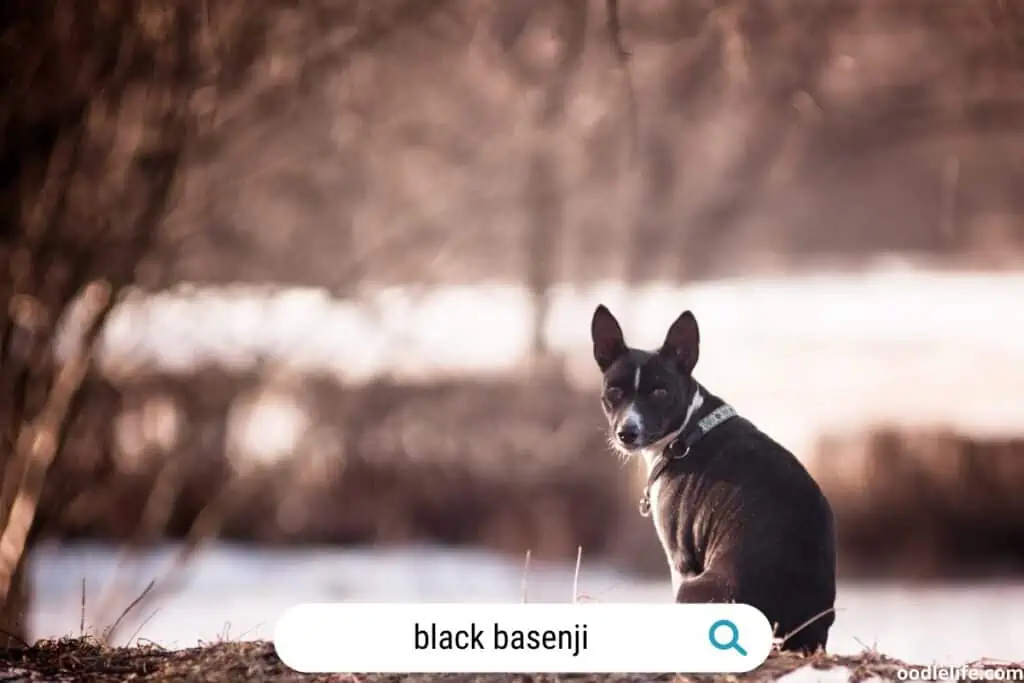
x,y
78,659
103,107
390,464
93,658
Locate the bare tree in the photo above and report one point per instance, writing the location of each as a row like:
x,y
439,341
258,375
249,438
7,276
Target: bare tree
x,y
544,194
94,135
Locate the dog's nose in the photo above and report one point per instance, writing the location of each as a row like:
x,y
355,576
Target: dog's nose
x,y
628,434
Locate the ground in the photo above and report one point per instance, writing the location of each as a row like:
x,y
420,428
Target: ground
x,y
79,659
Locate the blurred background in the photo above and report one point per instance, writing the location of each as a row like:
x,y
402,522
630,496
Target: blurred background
x,y
337,261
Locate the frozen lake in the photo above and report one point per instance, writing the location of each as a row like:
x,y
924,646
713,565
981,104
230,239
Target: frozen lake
x,y
239,593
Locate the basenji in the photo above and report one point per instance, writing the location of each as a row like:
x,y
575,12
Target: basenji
x,y
739,517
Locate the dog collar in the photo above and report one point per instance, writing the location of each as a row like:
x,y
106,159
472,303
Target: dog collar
x,y
688,439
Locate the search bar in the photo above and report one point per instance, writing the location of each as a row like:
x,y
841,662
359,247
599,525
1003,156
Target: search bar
x,y
522,638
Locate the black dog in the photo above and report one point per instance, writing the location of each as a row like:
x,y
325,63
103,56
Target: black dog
x,y
739,517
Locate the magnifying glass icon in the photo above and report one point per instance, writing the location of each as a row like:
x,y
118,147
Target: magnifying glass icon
x,y
732,642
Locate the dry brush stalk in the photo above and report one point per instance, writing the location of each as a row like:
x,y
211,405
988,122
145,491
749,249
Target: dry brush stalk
x,y
37,440
207,525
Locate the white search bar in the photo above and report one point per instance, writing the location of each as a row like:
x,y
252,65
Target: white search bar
x,y
522,638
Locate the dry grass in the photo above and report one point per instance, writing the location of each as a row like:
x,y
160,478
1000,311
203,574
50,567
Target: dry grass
x,y
77,659
91,657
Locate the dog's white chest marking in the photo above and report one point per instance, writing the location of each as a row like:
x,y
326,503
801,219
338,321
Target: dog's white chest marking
x,y
660,527
677,580
662,531
650,456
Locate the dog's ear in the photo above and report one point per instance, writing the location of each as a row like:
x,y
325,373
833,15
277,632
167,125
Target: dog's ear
x,y
609,344
682,343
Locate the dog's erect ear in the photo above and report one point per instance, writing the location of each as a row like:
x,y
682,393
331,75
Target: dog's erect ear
x,y
682,343
609,345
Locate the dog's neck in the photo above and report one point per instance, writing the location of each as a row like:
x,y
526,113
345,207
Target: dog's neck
x,y
651,453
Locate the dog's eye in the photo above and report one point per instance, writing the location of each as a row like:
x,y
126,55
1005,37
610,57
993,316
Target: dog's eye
x,y
659,393
613,394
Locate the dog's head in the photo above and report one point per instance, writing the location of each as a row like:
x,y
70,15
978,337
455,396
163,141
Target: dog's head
x,y
647,396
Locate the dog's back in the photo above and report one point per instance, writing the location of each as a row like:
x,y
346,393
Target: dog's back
x,y
754,527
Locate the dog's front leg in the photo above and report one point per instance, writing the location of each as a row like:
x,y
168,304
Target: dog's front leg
x,y
680,575
707,587
677,580
680,570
